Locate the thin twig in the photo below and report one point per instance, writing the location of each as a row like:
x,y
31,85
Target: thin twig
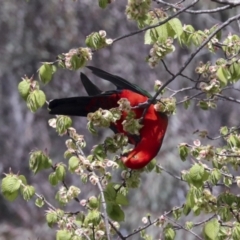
x,y
104,209
116,230
204,221
228,98
182,227
189,98
171,174
182,90
204,11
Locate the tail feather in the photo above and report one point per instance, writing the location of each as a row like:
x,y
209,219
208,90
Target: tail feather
x,y
81,106
75,106
91,88
119,82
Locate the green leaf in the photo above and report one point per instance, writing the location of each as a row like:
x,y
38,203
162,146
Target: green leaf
x,y
234,70
203,105
227,181
190,201
77,61
223,76
62,124
236,231
103,3
73,163
215,176
186,103
39,202
93,202
23,179
197,37
51,218
186,209
110,193
115,212
169,232
60,172
211,229
177,27
225,213
53,179
28,192
151,165
212,29
91,128
121,199
99,152
177,213
196,175
147,37
224,130
234,141
162,33
183,151
39,161
24,88
36,100
63,235
11,183
10,186
189,225
95,41
93,217
45,72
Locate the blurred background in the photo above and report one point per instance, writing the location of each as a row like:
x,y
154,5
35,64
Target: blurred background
x,y
37,31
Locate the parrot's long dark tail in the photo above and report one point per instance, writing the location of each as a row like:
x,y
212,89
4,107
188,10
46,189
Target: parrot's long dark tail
x,y
81,106
75,106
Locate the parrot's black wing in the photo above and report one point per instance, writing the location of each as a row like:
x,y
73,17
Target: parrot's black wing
x,y
91,88
119,82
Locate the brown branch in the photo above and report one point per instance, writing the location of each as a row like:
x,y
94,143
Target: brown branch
x,y
182,227
150,223
233,4
222,136
189,98
171,174
205,11
227,98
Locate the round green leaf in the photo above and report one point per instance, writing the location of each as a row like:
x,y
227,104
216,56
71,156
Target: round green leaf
x,y
60,172
36,100
63,235
211,229
115,212
28,192
73,163
45,73
53,179
10,186
39,202
24,89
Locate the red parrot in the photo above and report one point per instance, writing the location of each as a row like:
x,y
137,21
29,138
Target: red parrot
x,y
148,143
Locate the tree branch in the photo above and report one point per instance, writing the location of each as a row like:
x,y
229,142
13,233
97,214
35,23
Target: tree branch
x,y
182,227
205,11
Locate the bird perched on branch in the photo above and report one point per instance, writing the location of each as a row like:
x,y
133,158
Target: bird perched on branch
x,y
148,142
